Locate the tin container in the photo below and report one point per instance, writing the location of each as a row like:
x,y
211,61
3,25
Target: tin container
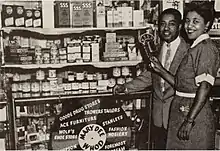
x,y
40,75
116,72
125,71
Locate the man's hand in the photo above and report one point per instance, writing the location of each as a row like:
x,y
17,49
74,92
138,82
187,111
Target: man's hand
x,y
118,89
156,65
184,130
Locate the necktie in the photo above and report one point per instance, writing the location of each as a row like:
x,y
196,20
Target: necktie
x,y
166,65
167,57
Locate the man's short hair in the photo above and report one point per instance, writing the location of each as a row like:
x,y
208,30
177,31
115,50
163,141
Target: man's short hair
x,y
177,15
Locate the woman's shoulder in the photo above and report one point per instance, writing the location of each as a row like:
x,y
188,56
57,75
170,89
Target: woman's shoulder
x,y
207,45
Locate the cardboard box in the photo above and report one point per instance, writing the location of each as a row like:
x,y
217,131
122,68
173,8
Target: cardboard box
x,y
28,18
19,16
127,17
62,14
95,52
87,17
100,16
116,18
110,18
37,19
110,37
138,18
7,15
77,14
119,9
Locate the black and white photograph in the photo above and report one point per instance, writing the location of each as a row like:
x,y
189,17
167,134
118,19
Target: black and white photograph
x,y
116,75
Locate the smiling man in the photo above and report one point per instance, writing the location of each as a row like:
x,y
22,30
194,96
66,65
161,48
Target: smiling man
x,y
172,50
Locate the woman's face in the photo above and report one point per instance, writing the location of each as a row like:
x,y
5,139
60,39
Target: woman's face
x,y
194,25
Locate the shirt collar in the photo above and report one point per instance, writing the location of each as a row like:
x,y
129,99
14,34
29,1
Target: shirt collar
x,y
199,39
173,43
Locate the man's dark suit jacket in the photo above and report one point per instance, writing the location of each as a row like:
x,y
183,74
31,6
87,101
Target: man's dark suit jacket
x,y
161,100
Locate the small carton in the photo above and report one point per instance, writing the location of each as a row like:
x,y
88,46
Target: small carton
x,y
138,18
62,17
100,16
7,15
19,16
37,19
127,16
77,14
28,21
110,18
87,11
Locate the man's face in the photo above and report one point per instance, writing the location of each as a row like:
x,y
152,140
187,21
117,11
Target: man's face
x,y
169,28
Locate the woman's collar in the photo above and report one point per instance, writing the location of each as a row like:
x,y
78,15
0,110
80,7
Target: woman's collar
x,y
199,39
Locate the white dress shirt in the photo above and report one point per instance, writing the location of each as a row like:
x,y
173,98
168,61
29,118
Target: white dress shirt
x,y
173,46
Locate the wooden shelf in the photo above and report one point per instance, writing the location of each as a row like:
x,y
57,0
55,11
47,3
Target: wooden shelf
x,y
32,115
60,31
50,99
3,103
214,32
95,64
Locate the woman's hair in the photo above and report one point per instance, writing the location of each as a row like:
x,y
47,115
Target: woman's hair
x,y
204,8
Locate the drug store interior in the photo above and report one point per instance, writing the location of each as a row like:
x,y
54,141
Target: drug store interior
x,y
60,61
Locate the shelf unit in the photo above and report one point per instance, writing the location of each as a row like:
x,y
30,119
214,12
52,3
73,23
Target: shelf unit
x,y
65,97
62,31
57,98
60,65
214,32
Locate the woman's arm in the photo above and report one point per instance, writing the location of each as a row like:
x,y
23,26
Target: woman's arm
x,y
159,69
198,104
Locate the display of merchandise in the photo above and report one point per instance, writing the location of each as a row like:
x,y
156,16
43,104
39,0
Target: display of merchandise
x,y
60,61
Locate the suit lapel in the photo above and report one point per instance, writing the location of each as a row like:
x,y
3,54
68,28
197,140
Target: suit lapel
x,y
157,78
180,53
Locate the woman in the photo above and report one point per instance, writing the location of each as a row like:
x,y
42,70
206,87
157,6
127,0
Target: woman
x,y
191,123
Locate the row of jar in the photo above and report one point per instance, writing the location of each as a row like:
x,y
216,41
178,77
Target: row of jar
x,y
79,75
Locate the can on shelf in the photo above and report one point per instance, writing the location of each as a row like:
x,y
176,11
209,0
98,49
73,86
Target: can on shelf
x,y
40,75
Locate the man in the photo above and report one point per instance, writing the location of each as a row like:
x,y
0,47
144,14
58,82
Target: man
x,y
172,50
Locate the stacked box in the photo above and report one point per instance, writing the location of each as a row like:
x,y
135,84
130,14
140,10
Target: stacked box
x,y
138,18
120,16
77,14
110,18
95,52
87,11
116,20
100,16
19,16
8,14
127,17
62,10
37,19
28,22
86,51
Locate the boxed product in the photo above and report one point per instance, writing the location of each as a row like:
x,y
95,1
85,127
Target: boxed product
x,y
127,17
100,16
19,16
28,21
62,11
77,14
7,15
37,19
110,18
87,11
138,18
